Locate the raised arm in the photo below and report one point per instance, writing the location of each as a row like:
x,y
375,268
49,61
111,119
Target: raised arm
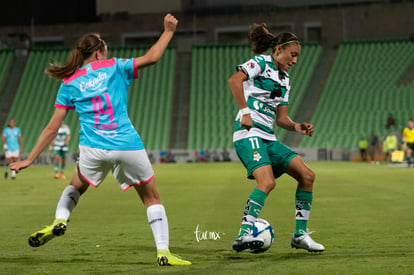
x,y
47,135
155,52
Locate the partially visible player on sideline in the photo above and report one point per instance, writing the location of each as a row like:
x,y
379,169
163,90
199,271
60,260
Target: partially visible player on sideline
x,y
97,88
12,145
408,138
261,89
390,144
60,147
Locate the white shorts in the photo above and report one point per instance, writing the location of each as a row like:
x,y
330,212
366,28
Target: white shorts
x,y
12,154
129,168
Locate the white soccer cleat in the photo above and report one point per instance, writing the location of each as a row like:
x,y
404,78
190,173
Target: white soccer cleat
x,y
306,242
247,241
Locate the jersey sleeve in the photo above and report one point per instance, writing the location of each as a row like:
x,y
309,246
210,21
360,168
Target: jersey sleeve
x,y
285,100
127,68
253,67
63,99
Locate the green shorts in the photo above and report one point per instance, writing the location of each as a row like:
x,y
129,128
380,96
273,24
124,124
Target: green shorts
x,y
62,153
255,152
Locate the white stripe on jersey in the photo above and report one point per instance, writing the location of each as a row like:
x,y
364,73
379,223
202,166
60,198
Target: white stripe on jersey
x,y
263,91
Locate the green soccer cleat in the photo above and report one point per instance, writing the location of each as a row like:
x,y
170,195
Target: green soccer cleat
x,y
164,258
40,237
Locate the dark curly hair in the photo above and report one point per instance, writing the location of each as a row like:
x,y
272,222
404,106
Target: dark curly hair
x,y
262,39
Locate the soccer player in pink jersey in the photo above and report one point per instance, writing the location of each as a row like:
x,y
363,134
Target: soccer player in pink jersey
x,y
97,88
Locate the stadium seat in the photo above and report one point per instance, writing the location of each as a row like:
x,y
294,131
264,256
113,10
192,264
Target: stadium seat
x,y
360,91
6,57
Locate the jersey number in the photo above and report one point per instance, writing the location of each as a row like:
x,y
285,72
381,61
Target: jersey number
x,y
98,108
254,142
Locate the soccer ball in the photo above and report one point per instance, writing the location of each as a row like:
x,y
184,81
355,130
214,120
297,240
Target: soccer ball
x,y
263,230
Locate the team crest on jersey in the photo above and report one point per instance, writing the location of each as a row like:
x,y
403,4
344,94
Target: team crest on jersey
x,y
256,156
252,65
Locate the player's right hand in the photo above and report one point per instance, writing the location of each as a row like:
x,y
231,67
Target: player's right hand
x,y
19,165
246,122
170,23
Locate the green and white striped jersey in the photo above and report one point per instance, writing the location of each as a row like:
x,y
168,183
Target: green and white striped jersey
x,y
266,88
59,143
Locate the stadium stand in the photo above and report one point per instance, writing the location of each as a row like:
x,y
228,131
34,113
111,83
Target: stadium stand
x,y
150,98
6,57
360,92
6,81
212,107
363,87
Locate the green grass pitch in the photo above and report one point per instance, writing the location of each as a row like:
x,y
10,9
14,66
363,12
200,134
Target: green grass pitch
x,y
363,214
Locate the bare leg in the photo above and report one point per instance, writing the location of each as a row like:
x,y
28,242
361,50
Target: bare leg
x,y
157,217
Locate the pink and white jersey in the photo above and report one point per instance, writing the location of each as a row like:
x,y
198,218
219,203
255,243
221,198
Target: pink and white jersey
x,y
98,92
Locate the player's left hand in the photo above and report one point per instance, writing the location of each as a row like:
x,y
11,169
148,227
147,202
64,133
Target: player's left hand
x,y
304,128
170,23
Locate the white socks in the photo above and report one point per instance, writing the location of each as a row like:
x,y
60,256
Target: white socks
x,y
68,200
157,219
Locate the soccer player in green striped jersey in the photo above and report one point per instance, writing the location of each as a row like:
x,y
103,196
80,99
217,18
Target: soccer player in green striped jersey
x,y
60,147
261,89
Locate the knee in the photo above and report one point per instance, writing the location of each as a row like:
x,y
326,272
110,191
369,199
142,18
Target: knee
x,y
267,186
308,177
149,198
148,193
80,187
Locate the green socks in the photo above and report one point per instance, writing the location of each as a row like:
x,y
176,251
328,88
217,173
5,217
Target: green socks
x,y
56,167
254,205
303,203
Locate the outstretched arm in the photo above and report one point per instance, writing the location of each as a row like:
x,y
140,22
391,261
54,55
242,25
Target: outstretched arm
x,y
47,135
156,51
284,121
